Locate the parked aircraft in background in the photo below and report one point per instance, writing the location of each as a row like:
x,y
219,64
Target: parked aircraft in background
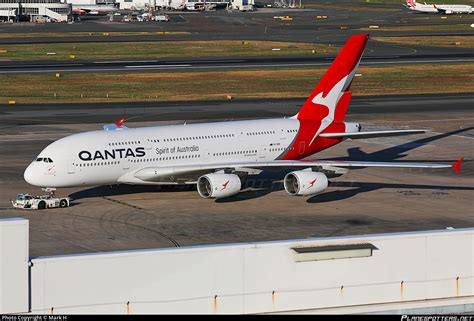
x,y
438,8
93,9
217,156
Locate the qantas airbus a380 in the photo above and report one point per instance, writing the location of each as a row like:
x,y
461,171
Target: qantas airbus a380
x,y
216,156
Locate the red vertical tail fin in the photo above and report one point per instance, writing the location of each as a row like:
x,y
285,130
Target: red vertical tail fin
x,y
342,105
324,100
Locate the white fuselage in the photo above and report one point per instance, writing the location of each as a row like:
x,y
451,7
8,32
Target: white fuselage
x,y
442,8
93,8
111,157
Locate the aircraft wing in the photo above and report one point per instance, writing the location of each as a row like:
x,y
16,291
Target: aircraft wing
x,y
190,173
372,134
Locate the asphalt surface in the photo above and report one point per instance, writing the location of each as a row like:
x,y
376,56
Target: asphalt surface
x,y
216,63
20,115
218,25
107,218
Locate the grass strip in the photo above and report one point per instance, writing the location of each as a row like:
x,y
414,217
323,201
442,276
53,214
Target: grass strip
x,y
163,49
219,85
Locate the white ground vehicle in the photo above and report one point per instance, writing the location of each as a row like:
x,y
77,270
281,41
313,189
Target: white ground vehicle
x,y
26,201
161,17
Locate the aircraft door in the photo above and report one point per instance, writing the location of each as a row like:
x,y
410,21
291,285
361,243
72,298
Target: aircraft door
x,y
125,163
240,133
302,148
147,144
71,167
205,155
262,152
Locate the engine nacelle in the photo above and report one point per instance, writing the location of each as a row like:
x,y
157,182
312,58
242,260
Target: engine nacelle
x,y
305,183
216,185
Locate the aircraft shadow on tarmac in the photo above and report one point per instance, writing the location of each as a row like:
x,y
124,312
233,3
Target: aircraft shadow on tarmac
x,y
267,183
337,195
399,151
364,187
123,189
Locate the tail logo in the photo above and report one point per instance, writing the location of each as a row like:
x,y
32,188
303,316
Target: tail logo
x,y
330,102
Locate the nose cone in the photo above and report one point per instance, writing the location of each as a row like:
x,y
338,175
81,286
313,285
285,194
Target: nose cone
x,y
30,176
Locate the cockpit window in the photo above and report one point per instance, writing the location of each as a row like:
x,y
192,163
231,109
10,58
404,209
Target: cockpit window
x,y
39,159
50,160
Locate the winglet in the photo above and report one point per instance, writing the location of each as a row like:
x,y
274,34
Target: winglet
x,y
120,122
115,126
457,165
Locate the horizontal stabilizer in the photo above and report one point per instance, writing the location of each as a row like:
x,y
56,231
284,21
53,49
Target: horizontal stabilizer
x,y
373,134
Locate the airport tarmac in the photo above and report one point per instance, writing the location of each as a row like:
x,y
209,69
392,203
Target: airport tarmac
x,y
364,201
210,63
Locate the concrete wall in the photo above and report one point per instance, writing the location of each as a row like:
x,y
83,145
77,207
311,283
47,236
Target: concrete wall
x,y
258,277
14,265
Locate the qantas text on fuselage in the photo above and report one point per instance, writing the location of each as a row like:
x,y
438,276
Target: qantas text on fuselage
x,y
218,156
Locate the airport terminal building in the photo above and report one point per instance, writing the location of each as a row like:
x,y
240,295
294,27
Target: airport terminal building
x,y
34,10
242,5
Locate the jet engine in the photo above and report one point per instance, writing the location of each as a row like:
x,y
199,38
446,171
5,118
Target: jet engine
x,y
217,185
305,183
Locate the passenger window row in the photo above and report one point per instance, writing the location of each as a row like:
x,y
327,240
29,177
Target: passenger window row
x,y
291,130
165,158
123,143
96,164
234,153
198,137
261,133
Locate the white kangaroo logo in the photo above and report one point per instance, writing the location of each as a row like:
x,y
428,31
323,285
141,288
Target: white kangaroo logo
x,y
330,101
